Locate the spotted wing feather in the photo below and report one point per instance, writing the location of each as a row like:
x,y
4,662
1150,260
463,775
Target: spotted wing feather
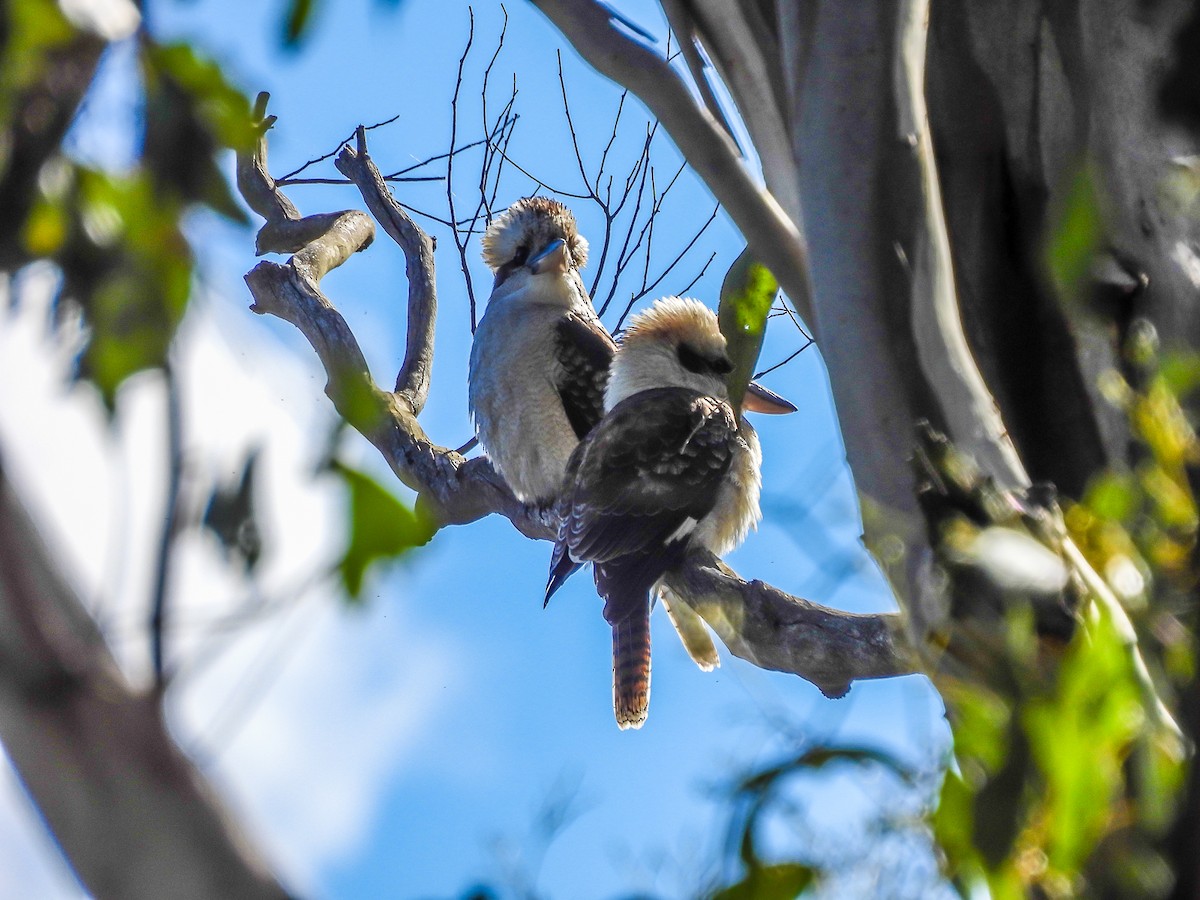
x,y
583,351
653,463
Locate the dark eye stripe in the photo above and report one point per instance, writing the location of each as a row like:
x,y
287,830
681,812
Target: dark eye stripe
x,y
694,362
511,266
691,360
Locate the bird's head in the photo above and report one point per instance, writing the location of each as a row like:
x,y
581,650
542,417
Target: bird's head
x,y
536,236
675,343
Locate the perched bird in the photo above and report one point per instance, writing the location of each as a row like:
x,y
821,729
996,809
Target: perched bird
x,y
668,468
540,360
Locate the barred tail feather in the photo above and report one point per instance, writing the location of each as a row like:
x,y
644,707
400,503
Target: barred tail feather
x,y
631,668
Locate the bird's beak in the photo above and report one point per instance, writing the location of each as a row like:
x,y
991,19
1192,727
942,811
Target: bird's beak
x,y
760,400
552,259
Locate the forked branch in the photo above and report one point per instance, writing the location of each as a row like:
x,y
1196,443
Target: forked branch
x,y
759,623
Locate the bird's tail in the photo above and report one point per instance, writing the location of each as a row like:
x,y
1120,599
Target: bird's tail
x,y
631,668
690,628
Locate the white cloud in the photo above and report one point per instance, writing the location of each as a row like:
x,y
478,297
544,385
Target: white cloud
x,y
311,707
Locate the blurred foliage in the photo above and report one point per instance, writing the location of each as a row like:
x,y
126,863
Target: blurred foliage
x,y
231,516
753,798
381,528
1075,238
747,293
116,236
299,17
1062,784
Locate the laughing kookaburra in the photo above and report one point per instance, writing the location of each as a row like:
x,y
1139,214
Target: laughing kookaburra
x,y
540,358
667,469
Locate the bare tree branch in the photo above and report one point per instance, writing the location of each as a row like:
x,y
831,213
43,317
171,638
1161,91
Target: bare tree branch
x,y
700,138
774,630
759,623
413,381
458,241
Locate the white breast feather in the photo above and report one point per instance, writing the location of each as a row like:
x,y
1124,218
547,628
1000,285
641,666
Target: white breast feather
x,y
518,413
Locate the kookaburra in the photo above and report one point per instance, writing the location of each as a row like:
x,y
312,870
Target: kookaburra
x,y
668,468
540,358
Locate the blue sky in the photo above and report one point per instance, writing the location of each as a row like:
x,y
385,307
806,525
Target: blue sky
x,y
481,706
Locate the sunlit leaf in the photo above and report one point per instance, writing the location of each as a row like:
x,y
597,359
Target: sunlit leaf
x,y
1075,238
129,267
747,293
35,28
1112,495
297,22
1180,372
381,527
1174,505
781,881
46,229
1094,715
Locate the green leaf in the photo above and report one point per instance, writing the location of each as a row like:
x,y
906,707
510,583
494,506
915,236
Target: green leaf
x,y
781,881
128,265
192,112
1112,495
381,527
1073,242
1094,715
747,293
1180,371
298,22
35,28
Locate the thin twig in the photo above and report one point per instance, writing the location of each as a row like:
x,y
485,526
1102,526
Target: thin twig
x,y
170,522
625,253
286,179
503,152
488,154
646,289
791,314
703,269
294,181
780,365
453,152
633,64
562,86
541,185
458,242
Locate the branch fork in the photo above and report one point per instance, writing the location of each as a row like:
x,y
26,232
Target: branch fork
x,y
757,622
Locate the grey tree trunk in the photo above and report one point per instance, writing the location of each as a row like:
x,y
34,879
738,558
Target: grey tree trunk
x,y
132,814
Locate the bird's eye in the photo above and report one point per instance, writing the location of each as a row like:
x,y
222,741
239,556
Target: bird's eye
x,y
693,361
520,256
722,365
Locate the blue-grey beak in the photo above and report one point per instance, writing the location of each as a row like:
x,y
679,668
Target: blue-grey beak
x,y
763,400
552,259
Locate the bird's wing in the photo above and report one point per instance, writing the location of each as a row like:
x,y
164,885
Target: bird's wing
x,y
647,473
584,352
